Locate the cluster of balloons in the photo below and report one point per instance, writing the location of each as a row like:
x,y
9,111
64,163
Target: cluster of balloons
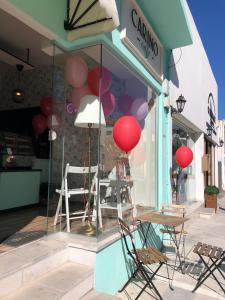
x,y
88,82
48,119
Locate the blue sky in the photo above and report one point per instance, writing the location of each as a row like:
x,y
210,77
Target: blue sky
x,y
209,16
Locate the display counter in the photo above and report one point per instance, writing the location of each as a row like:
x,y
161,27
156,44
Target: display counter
x,y
19,187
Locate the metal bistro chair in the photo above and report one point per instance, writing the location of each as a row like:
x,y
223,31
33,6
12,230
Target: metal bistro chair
x,y
142,258
216,257
67,192
174,235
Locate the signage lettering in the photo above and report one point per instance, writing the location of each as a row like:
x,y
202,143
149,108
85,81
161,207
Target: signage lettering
x,y
145,34
138,35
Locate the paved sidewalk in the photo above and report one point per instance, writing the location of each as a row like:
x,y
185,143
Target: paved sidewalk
x,y
211,231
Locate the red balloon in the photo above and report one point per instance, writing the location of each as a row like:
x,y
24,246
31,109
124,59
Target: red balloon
x,y
94,77
39,123
126,133
184,156
47,105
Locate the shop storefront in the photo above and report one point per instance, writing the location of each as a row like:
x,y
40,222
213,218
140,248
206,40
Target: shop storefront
x,y
96,81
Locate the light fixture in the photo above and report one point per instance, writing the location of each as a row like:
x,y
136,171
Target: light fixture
x,y
18,93
209,131
180,102
221,143
90,115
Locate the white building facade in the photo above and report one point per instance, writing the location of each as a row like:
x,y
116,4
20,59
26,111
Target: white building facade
x,y
221,154
192,76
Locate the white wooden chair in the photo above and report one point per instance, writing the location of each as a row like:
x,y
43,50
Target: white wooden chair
x,y
67,192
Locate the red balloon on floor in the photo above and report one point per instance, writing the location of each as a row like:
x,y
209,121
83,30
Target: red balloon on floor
x,y
184,156
126,133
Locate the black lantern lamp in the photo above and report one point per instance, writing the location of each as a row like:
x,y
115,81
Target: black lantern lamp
x,y
181,101
209,131
221,143
18,94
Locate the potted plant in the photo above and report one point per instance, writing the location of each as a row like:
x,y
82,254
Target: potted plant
x,y
211,192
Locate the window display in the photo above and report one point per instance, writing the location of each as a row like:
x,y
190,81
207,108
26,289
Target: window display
x,y
107,119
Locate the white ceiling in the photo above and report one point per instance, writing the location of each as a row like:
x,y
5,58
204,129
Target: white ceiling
x,y
16,37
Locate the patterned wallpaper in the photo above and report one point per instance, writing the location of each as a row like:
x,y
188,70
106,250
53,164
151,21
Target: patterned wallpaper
x,y
36,83
71,145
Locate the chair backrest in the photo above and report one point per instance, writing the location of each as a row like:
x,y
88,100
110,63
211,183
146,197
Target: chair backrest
x,y
175,209
82,170
125,231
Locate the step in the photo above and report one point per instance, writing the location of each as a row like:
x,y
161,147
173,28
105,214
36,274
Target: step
x,y
70,281
93,295
27,263
206,213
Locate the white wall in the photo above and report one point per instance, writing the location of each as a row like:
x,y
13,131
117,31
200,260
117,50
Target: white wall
x,y
192,76
221,152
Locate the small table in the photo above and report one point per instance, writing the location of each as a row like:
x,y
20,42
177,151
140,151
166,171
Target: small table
x,y
168,222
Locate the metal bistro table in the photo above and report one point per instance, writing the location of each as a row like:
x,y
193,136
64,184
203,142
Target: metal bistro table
x,y
169,223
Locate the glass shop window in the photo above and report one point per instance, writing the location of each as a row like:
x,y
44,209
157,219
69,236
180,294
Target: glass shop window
x,y
93,182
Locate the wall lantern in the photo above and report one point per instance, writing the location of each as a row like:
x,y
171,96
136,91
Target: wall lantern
x,y
209,131
221,143
181,101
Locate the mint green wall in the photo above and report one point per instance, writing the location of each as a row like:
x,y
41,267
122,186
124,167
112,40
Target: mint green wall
x,y
19,188
113,265
49,13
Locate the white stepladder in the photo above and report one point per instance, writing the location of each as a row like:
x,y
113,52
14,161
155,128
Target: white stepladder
x,y
67,192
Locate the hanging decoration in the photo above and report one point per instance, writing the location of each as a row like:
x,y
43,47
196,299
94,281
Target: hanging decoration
x,y
70,109
139,109
76,71
47,105
124,104
94,77
53,122
126,133
39,124
108,103
184,156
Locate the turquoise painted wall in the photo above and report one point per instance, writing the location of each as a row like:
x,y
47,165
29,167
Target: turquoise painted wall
x,y
19,189
49,13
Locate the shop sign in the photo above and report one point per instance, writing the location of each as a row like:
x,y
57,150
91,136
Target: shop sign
x,y
211,113
138,35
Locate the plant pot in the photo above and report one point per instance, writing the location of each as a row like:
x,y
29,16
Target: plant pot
x,y
211,201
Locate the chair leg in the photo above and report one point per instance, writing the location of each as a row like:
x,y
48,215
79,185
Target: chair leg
x,y
67,209
209,269
58,209
85,213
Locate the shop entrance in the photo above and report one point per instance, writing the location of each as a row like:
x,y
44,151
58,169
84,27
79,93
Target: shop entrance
x,y
25,80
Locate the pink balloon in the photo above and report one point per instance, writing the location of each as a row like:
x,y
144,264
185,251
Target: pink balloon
x,y
53,122
108,103
124,104
77,94
76,71
139,109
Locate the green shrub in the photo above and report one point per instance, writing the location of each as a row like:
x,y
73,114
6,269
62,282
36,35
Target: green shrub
x,y
211,189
